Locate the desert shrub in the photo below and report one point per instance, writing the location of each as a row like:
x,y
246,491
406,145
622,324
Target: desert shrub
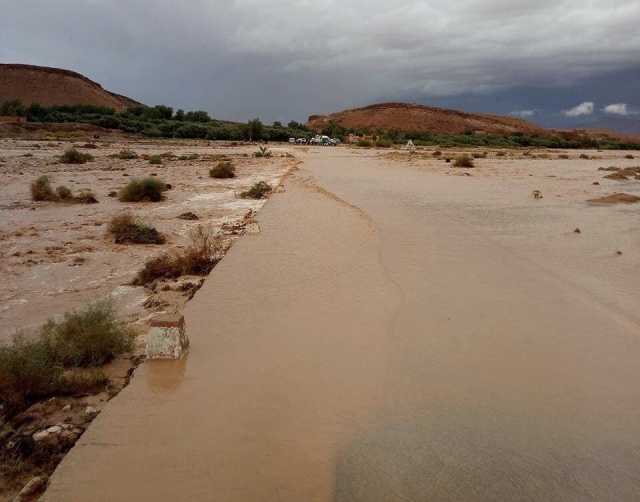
x,y
198,258
191,156
365,143
155,159
147,189
28,371
86,197
127,230
501,154
563,156
629,156
437,153
33,369
127,155
584,156
384,143
41,190
478,155
263,152
258,190
224,169
64,193
81,381
463,161
88,337
73,156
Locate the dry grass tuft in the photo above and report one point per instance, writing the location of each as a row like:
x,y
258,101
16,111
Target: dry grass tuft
x,y
223,170
143,190
199,258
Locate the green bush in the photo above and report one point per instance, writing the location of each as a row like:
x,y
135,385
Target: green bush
x,y
73,156
143,190
259,190
364,143
463,161
41,190
224,169
127,230
33,369
155,159
28,372
384,143
88,337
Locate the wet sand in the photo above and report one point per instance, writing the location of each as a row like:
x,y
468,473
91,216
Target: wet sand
x,y
409,335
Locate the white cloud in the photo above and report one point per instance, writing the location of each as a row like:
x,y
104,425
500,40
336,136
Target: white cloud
x,y
585,108
523,113
616,109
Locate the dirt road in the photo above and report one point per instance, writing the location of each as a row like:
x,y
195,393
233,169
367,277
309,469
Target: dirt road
x,y
394,333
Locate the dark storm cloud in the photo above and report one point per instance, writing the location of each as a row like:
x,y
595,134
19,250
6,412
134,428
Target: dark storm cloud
x,y
285,59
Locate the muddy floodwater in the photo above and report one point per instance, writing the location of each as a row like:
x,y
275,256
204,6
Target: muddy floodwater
x,y
397,331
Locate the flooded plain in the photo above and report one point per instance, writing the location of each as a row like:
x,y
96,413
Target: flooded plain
x,y
397,331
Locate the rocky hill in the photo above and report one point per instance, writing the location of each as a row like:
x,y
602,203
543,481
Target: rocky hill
x,y
418,118
54,86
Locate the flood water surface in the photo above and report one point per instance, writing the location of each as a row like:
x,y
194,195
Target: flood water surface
x,y
380,341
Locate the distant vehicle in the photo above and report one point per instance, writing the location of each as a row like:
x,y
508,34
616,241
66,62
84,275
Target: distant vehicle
x,y
292,140
301,141
324,140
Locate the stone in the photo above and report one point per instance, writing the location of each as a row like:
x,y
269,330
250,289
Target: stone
x,y
90,411
167,338
54,429
33,487
66,407
40,436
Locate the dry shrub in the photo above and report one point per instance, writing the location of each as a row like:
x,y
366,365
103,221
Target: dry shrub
x,y
463,161
155,159
127,155
259,190
41,190
437,153
629,156
584,156
263,152
73,156
64,193
200,257
128,230
86,197
501,154
143,190
563,156
224,169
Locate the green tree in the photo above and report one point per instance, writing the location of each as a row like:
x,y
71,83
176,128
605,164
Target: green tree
x,y
255,129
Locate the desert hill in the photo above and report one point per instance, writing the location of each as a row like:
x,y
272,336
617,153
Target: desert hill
x,y
54,86
405,117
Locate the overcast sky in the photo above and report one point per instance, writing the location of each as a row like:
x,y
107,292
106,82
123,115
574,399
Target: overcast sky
x,y
286,59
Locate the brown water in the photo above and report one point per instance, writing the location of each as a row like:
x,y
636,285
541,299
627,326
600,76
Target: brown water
x,y
391,335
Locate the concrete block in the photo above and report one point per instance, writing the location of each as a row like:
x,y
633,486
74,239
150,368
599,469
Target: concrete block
x,y
167,338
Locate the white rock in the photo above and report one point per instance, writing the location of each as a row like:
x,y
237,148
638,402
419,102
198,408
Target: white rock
x,y
54,429
90,410
40,436
67,408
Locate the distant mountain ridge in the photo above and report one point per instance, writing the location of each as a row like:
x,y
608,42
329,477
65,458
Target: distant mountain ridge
x,y
406,117
55,86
